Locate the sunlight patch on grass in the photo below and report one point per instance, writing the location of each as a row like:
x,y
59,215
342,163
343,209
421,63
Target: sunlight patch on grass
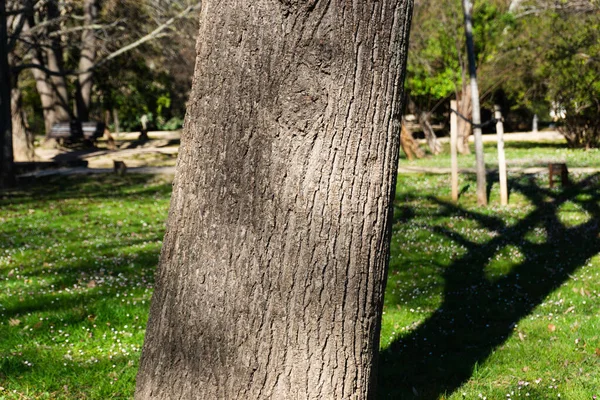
x,y
77,257
503,262
508,296
571,214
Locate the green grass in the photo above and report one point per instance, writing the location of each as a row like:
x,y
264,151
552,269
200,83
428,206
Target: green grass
x,y
498,302
518,154
494,301
77,257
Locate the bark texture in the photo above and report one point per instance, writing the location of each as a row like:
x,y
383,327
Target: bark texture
x,y
271,278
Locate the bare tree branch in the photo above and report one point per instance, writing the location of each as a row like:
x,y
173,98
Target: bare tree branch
x,y
155,34
152,35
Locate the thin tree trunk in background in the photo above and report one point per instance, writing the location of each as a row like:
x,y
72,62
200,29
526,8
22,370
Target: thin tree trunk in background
x,y
61,102
115,113
6,154
476,115
424,122
44,89
434,146
454,150
271,278
86,61
43,86
22,137
501,156
409,145
465,108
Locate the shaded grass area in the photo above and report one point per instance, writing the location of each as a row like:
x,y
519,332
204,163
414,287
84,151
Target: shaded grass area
x,y
518,154
493,303
77,257
497,301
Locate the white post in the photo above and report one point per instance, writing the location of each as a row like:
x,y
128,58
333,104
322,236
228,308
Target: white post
x,y
501,157
453,149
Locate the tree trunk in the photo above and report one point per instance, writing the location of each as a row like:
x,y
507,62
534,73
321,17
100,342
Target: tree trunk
x,y
272,272
86,61
465,108
6,155
434,145
407,141
22,137
61,102
409,145
476,114
44,89
115,113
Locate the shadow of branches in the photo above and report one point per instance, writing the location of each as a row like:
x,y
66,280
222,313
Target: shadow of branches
x,y
478,314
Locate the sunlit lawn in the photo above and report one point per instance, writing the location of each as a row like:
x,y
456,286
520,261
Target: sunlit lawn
x,y
77,257
493,303
496,302
518,155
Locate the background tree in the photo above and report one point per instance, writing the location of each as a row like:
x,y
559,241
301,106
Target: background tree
x,y
67,45
272,272
554,56
6,156
434,64
438,67
476,111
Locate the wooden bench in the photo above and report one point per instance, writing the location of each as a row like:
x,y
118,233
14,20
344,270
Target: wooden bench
x,y
72,130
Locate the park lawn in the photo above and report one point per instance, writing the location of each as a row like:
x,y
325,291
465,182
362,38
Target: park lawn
x,y
496,301
518,155
77,258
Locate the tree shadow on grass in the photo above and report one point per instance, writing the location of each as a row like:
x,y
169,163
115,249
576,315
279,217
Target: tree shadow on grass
x,y
100,187
78,272
478,314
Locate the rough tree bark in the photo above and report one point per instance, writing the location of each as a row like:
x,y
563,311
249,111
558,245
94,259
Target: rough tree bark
x,y
272,273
